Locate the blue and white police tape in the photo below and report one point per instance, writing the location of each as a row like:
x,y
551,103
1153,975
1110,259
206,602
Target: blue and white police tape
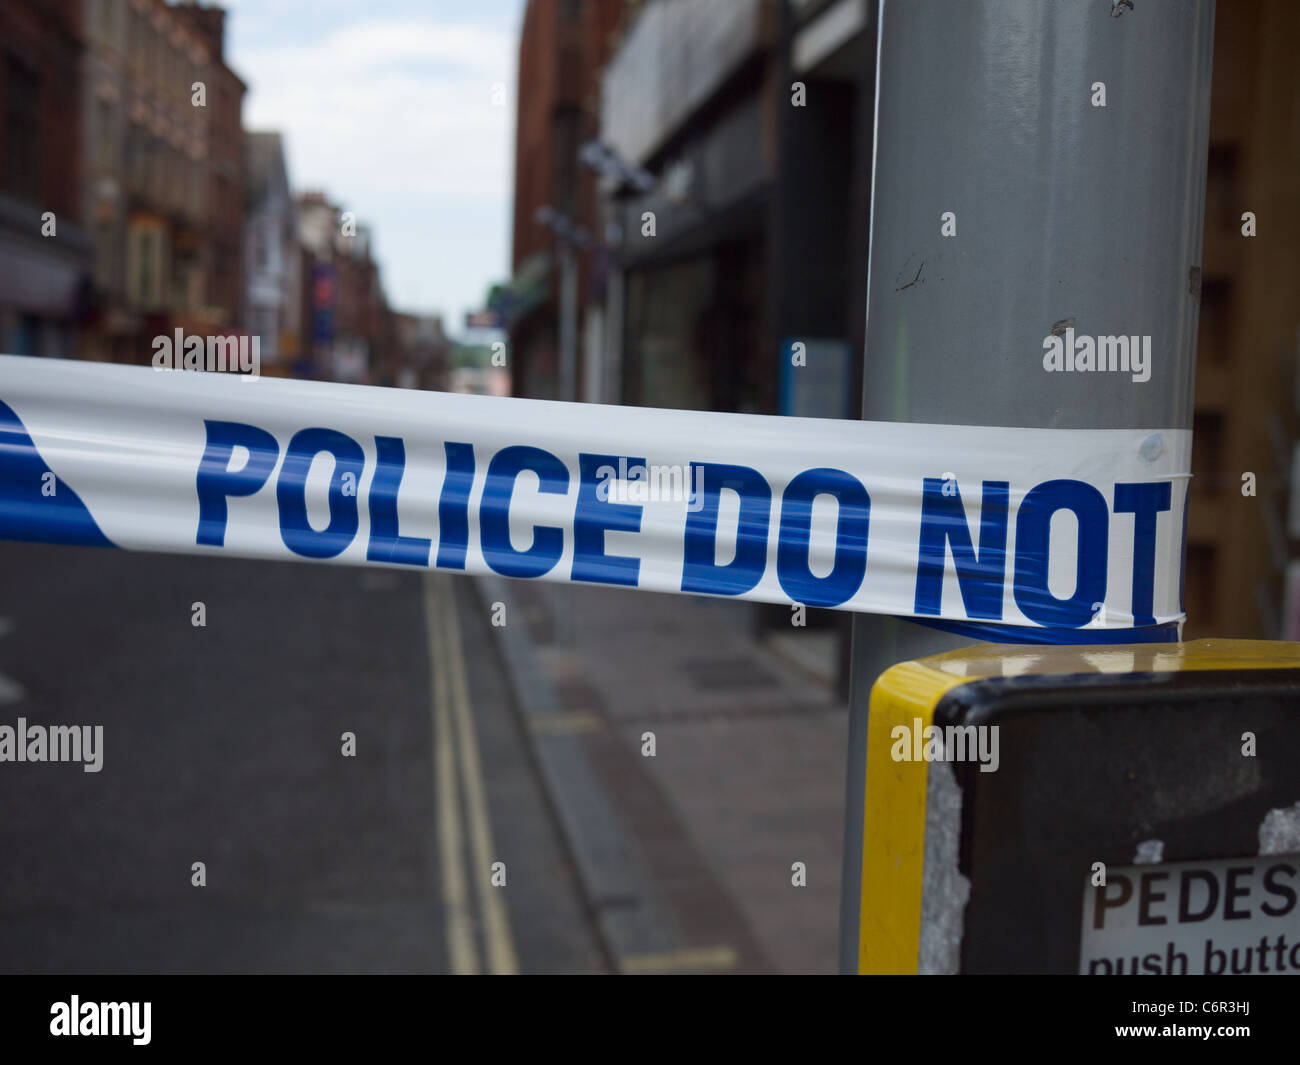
x,y
1026,534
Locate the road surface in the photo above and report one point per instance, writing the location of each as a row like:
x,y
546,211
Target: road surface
x,y
227,744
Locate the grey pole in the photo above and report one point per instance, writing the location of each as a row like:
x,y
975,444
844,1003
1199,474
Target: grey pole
x,y
567,390
613,383
568,383
1064,209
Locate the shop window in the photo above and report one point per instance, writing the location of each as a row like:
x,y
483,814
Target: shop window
x,y
1207,451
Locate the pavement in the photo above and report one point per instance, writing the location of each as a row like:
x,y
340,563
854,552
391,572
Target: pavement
x,y
746,778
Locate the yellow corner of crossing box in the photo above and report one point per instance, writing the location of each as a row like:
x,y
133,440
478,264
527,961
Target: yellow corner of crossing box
x,y
893,849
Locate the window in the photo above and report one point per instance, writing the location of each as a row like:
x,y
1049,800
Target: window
x,y
1223,187
180,291
172,189
27,335
264,327
104,266
156,178
105,21
260,257
135,158
146,265
104,140
149,167
1215,325
135,40
22,171
1208,451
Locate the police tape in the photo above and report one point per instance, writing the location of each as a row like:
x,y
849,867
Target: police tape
x,y
1029,534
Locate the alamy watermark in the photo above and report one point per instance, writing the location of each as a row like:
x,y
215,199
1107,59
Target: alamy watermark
x,y
950,743
641,484
102,1018
53,743
213,354
1066,353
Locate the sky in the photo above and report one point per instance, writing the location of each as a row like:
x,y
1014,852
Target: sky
x,y
388,107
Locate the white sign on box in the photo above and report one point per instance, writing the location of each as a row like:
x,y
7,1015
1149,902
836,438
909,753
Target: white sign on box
x,y
1232,917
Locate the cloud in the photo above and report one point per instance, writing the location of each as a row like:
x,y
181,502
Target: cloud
x,y
394,117
398,105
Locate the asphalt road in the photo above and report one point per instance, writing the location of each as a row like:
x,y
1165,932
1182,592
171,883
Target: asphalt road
x,y
224,744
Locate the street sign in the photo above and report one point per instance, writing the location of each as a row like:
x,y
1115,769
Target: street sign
x,y
324,300
1235,917
484,320
817,378
1066,809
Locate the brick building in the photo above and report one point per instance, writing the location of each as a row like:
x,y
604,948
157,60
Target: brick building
x,y
349,332
1241,547
562,50
225,144
45,252
165,213
272,263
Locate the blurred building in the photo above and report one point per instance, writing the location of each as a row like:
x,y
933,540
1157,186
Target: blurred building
x,y
349,333
562,49
317,224
164,176
45,253
480,381
696,246
749,127
719,218
366,346
423,352
225,150
754,121
1240,546
272,263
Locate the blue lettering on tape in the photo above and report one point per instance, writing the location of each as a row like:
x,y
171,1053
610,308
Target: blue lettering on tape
x,y
944,526
216,480
291,493
700,571
1033,537
453,505
494,512
980,577
595,516
850,564
387,544
1144,501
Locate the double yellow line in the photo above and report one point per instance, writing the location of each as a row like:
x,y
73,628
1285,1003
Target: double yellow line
x,y
457,767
